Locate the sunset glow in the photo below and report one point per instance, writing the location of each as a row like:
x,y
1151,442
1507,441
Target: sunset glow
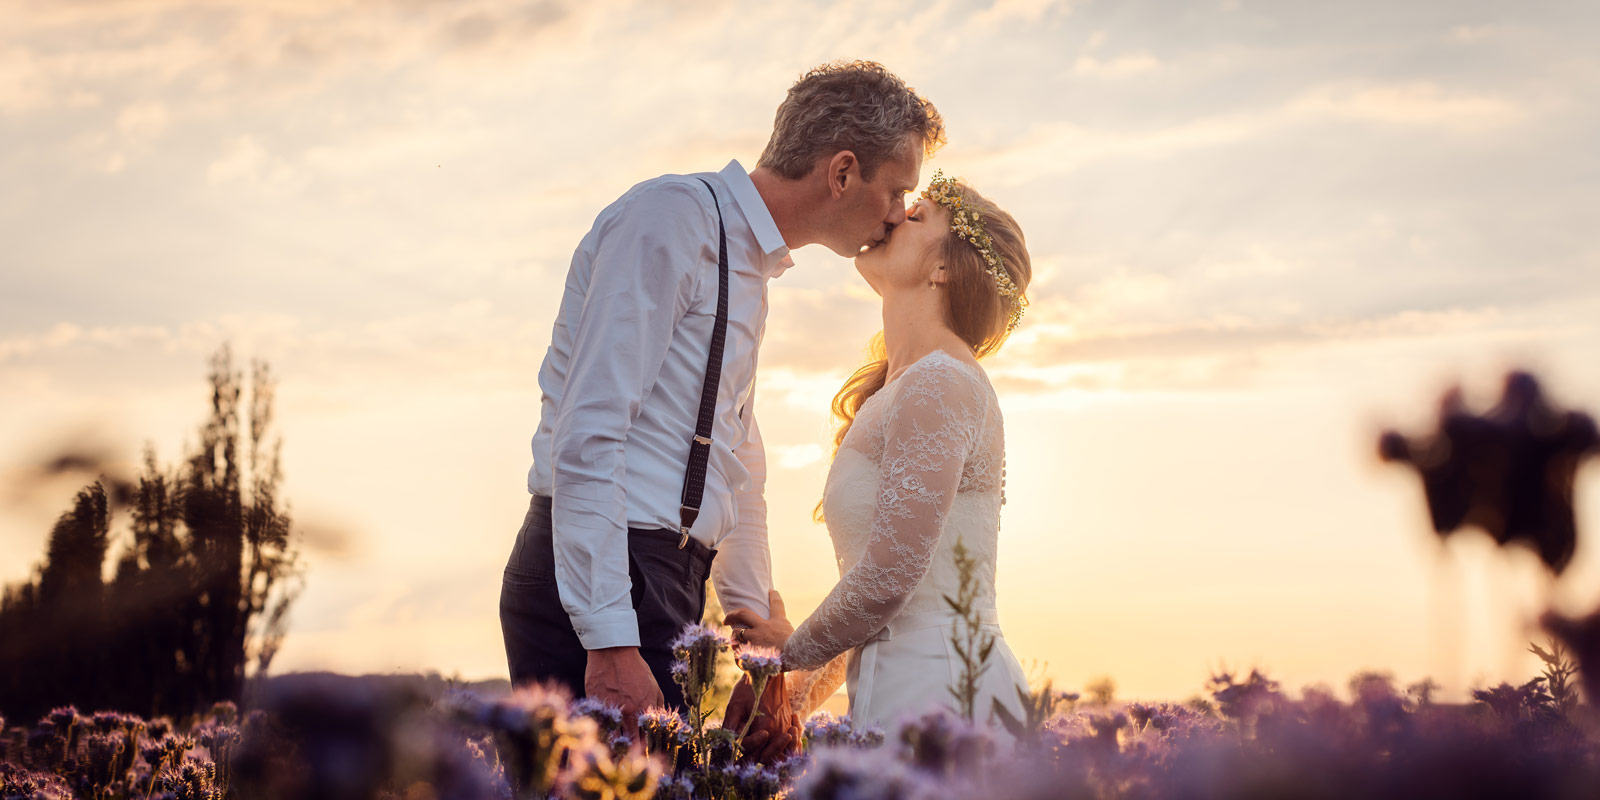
x,y
1261,234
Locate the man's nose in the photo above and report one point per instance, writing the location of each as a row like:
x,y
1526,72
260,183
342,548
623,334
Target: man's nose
x,y
897,214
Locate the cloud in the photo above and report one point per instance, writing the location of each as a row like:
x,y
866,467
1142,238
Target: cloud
x,y
486,29
20,82
1025,11
1411,103
142,120
243,159
1118,67
1472,34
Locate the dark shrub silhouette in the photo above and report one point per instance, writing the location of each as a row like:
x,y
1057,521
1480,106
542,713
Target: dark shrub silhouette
x,y
202,582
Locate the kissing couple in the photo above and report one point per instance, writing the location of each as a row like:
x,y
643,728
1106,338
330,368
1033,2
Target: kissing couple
x,y
648,470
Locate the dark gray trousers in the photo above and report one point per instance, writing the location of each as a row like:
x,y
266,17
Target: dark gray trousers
x,y
669,592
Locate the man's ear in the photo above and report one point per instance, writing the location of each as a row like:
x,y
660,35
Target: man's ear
x,y
843,170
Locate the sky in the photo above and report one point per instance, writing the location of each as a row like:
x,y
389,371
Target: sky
x,y
1262,232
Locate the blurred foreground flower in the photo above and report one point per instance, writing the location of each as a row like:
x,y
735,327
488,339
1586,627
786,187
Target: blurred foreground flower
x,y
1509,471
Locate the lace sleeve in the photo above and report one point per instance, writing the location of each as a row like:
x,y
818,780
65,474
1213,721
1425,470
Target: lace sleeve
x,y
813,688
930,429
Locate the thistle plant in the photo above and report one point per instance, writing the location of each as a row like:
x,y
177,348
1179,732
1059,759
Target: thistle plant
x,y
605,715
664,733
755,782
762,664
944,745
532,734
695,671
104,751
973,644
826,730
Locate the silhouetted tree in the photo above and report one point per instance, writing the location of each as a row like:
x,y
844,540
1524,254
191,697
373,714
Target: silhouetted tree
x,y
202,584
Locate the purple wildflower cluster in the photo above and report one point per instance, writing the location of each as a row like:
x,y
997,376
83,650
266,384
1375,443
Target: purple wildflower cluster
x,y
826,730
323,736
108,754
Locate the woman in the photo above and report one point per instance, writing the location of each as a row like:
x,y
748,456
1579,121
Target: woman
x,y
919,465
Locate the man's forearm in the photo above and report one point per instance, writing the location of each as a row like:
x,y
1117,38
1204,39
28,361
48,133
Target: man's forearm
x,y
591,560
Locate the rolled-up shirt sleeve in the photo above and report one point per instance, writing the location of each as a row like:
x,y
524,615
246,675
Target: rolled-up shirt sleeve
x,y
641,283
742,571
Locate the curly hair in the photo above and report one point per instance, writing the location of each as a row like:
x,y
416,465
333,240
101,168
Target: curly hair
x,y
858,106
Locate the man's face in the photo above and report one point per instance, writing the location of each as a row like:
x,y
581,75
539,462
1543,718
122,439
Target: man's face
x,y
868,209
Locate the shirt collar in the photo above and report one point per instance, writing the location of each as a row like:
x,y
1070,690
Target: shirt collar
x,y
760,219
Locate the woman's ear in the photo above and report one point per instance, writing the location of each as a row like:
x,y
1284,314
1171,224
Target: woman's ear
x,y
939,276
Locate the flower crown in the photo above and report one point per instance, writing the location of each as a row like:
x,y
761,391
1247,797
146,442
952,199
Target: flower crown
x,y
967,223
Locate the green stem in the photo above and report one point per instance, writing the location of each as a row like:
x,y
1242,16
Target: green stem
x,y
759,685
150,788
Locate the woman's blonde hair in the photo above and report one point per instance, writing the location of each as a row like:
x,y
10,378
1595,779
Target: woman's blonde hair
x,y
974,309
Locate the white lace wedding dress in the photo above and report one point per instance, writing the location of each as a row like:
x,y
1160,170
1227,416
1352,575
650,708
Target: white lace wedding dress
x,y
921,467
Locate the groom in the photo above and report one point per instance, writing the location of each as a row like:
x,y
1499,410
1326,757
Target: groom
x,y
648,469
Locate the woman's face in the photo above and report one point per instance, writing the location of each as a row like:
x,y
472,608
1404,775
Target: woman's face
x,y
907,257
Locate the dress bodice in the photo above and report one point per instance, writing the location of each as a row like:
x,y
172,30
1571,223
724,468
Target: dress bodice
x,y
921,467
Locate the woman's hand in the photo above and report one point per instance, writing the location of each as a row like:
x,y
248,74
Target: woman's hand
x,y
752,628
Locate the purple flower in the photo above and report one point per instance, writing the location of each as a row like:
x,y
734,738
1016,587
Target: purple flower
x,y
825,730
104,751
838,773
677,787
945,744
697,648
664,732
755,782
21,783
62,718
225,712
759,662
607,716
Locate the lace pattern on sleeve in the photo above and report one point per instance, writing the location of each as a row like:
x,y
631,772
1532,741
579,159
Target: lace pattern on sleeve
x,y
929,430
815,687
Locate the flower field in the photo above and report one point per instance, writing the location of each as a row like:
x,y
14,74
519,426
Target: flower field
x,y
330,736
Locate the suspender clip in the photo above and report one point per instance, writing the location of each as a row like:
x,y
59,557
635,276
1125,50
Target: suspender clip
x,y
702,440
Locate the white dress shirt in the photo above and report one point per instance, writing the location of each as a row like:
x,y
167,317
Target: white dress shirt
x,y
622,382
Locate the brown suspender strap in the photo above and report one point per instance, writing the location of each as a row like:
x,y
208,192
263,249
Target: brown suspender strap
x,y
694,479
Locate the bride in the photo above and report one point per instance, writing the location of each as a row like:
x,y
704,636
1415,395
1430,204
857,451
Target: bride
x,y
919,465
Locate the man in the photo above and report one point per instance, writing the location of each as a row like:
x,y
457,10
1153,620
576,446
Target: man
x,y
612,558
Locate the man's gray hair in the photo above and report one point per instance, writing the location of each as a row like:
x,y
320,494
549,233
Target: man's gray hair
x,y
858,106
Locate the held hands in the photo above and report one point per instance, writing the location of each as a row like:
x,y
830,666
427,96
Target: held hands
x,y
752,628
775,732
619,676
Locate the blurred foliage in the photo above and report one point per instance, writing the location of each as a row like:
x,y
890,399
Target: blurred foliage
x,y
204,577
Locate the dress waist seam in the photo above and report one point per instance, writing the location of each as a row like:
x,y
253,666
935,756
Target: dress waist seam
x,y
906,623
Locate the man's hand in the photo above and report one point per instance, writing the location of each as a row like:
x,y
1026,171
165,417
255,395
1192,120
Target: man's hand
x,y
752,628
776,731
619,676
